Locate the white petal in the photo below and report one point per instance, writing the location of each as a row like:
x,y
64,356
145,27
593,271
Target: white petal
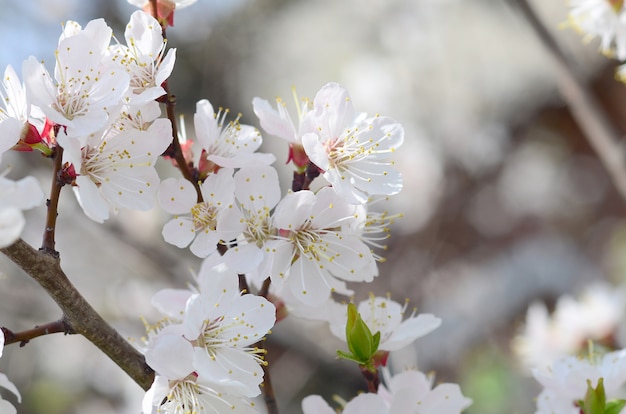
x,y
5,383
171,302
11,225
294,210
371,404
272,122
179,232
257,188
90,200
170,354
409,330
177,196
314,404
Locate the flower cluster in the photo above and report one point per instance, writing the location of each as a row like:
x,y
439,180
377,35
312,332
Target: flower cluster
x,y
205,350
98,115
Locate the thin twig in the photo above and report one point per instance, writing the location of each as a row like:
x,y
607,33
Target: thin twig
x,y
599,130
46,270
24,337
48,243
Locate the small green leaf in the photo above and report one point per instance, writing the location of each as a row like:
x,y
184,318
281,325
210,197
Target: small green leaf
x,y
614,406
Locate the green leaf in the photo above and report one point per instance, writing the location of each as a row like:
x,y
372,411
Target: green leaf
x,y
614,406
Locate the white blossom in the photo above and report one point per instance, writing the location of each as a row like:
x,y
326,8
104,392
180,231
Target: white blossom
x,y
205,223
230,145
312,254
565,381
603,18
116,169
351,149
144,58
85,87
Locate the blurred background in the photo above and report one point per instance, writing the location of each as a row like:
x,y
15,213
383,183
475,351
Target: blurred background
x,y
504,204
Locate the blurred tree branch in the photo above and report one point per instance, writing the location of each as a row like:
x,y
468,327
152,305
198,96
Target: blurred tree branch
x,y
592,119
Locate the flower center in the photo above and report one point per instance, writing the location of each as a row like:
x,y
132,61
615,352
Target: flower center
x,y
204,216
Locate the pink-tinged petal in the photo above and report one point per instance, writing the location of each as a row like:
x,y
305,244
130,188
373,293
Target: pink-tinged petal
x,y
89,198
177,196
257,188
409,330
171,302
314,404
170,354
315,150
272,122
205,243
179,232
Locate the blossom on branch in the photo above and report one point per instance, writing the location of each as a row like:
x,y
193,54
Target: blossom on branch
x,y
314,250
230,145
86,86
204,354
143,57
115,167
205,223
351,149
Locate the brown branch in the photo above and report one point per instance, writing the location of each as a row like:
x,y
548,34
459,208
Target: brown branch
x,y
600,131
48,243
24,337
46,270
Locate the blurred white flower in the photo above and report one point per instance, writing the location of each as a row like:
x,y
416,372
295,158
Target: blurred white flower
x,y
603,18
565,382
594,316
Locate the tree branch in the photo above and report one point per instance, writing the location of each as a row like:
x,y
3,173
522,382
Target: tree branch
x,y
48,244
46,270
599,130
24,337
